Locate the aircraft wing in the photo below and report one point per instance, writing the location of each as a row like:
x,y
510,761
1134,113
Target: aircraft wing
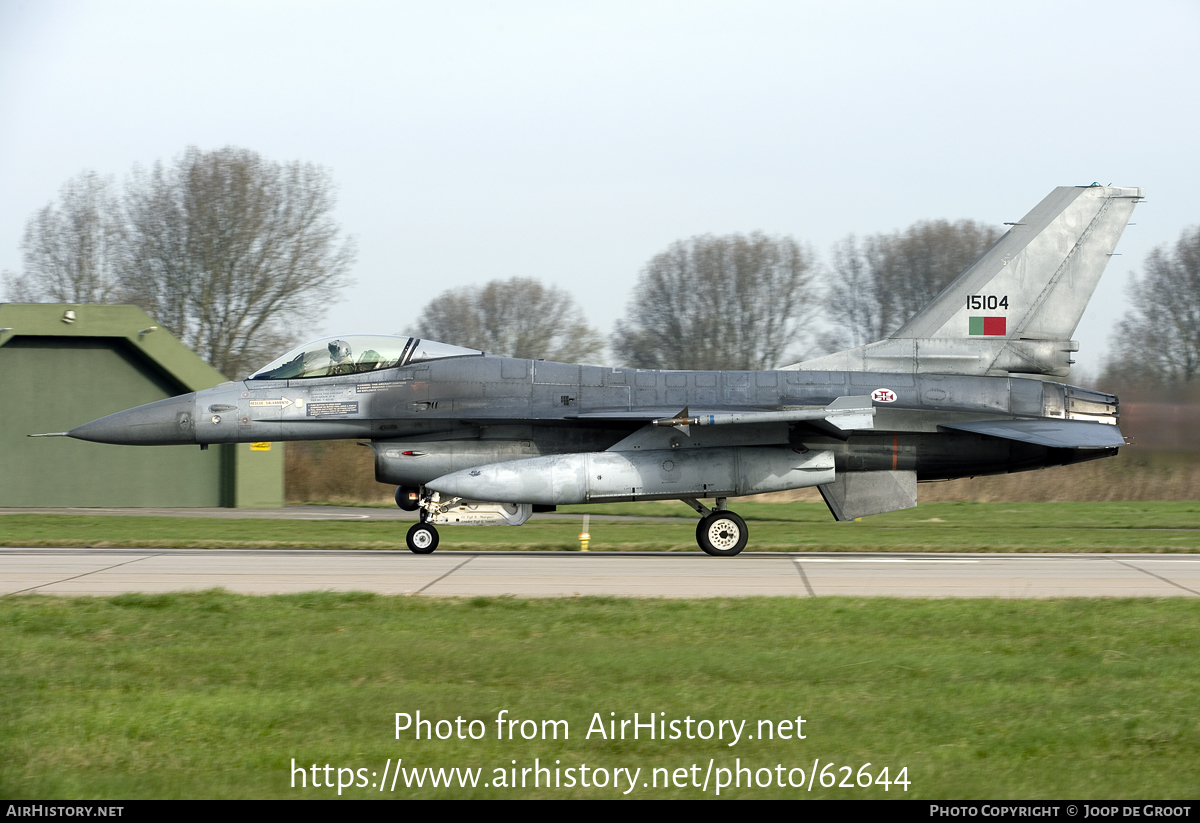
x,y
1059,434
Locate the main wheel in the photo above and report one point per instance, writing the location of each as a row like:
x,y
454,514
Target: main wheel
x,y
722,534
422,539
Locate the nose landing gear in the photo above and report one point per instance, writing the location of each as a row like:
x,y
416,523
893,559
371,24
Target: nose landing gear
x,y
423,537
720,532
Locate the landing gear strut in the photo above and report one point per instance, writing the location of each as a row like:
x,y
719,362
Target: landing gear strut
x,y
720,532
423,537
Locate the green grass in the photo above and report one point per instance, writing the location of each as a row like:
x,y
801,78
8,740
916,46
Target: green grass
x,y
935,527
211,695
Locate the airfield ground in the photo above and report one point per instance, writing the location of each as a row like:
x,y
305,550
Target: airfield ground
x,y
212,694
669,527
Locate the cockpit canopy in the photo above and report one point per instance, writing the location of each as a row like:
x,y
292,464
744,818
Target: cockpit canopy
x,y
355,354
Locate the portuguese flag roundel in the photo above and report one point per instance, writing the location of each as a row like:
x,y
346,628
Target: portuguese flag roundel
x,y
989,326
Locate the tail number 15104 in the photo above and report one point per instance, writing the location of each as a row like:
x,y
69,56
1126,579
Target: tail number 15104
x,y
987,301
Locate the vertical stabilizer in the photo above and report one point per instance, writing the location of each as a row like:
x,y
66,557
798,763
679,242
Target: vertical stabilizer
x,y
1015,309
1046,267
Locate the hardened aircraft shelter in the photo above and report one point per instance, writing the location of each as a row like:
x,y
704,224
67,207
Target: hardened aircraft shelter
x,y
62,365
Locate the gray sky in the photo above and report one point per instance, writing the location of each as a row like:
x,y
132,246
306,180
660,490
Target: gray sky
x,y
571,142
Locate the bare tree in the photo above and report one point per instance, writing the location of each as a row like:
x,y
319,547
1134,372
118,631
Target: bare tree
x,y
852,295
230,252
67,249
1158,340
882,281
729,302
518,317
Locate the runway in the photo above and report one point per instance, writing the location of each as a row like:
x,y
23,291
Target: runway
x,y
311,512
105,572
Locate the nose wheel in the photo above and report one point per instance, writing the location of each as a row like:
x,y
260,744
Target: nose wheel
x,y
422,539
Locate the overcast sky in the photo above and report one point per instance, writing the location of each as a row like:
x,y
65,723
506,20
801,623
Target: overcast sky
x,y
572,141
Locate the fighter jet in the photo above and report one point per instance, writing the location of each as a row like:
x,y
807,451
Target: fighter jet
x,y
969,386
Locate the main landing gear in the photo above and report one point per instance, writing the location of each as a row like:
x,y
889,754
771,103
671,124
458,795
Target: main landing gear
x,y
720,532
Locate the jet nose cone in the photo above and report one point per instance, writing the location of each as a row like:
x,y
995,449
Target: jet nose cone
x,y
167,422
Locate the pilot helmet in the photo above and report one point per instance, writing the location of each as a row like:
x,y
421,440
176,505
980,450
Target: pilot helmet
x,y
339,350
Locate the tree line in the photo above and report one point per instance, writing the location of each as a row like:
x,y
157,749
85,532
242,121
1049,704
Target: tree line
x,y
237,255
1155,347
227,251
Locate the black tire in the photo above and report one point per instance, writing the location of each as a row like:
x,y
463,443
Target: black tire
x,y
408,498
422,539
722,534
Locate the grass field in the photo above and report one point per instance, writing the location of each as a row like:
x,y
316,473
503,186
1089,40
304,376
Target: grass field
x,y
935,527
212,695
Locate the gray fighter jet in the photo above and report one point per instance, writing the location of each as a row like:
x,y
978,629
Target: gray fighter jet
x,y
967,387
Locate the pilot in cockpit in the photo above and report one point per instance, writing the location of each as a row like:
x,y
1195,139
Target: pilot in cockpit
x,y
341,360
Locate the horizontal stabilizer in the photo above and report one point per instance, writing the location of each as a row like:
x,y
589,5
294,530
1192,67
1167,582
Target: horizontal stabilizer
x,y
1058,434
859,494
